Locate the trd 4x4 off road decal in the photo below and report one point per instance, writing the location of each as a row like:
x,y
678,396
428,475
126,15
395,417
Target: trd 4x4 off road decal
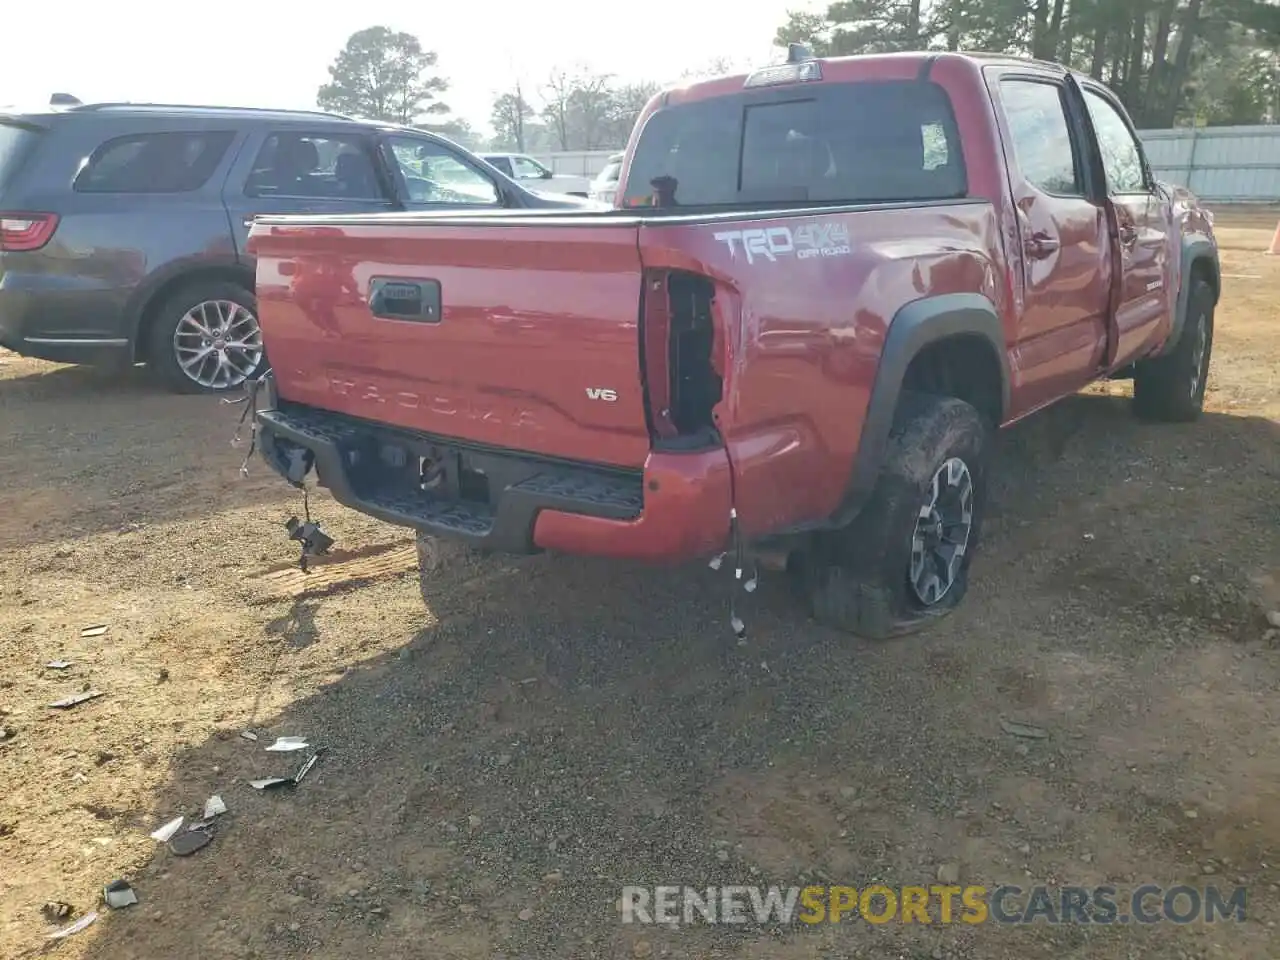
x,y
809,240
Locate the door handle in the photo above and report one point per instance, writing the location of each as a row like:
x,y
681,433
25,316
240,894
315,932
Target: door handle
x,y
1039,246
415,300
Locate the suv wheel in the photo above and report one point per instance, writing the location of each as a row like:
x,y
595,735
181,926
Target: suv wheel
x,y
903,562
206,338
1171,388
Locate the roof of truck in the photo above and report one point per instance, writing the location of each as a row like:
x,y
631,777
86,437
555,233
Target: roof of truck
x,y
912,59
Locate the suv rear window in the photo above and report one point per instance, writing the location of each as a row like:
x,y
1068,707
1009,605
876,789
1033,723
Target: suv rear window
x,y
154,163
826,143
14,141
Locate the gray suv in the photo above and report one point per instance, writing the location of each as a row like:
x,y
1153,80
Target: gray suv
x,y
123,226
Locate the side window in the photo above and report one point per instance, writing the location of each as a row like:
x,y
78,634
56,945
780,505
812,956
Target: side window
x,y
315,167
154,163
1121,155
527,169
1041,136
433,174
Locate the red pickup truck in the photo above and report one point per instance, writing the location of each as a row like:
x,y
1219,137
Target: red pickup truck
x,y
823,287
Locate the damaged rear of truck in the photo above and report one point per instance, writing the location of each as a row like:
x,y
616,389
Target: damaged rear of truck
x,y
715,364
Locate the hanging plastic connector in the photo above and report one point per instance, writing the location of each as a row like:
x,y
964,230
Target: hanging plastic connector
x,y
717,561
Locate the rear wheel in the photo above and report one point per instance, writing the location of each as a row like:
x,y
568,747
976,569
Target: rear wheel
x,y
903,562
1171,388
205,338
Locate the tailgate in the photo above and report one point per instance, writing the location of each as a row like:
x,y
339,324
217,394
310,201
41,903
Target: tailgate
x,y
515,335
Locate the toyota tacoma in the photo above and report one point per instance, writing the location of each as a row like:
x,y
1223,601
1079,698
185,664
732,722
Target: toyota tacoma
x,y
825,286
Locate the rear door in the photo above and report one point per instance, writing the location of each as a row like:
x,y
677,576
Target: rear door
x,y
1064,258
300,170
1142,225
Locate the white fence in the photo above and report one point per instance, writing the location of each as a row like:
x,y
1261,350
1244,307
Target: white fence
x,y
1218,164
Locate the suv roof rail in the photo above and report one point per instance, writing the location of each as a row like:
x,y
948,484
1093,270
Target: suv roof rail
x,y
125,105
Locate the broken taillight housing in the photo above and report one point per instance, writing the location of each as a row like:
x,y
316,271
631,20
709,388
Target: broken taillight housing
x,y
678,344
23,232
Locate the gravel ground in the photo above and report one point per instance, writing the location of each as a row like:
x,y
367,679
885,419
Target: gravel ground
x,y
547,730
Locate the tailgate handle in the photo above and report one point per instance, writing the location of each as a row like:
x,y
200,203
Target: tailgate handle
x,y
394,299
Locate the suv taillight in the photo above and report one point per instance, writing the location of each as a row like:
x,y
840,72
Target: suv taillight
x,y
20,232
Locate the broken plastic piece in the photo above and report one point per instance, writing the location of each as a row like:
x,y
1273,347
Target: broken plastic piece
x,y
76,699
717,560
97,630
214,807
58,664
306,767
76,927
1025,730
739,628
750,585
165,834
270,783
249,735
118,894
288,744
185,844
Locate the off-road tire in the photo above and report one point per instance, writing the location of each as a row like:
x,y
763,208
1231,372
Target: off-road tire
x,y
1170,389
857,579
159,349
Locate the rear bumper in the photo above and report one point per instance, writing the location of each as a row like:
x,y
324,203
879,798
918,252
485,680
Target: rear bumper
x,y
675,509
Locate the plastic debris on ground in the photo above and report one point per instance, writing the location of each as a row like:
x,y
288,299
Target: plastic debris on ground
x,y
75,700
306,767
118,895
76,927
249,735
165,833
97,630
288,744
270,783
1025,730
214,807
191,840
58,664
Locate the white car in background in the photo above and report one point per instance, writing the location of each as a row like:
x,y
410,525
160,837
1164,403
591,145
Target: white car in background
x,y
605,186
534,176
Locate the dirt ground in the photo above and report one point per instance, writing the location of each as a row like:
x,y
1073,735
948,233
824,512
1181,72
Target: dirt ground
x,y
499,765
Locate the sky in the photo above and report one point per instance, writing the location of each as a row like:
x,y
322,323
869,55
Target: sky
x,y
273,53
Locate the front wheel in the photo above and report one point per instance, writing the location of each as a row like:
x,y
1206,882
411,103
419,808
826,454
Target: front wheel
x,y
205,338
903,562
1171,388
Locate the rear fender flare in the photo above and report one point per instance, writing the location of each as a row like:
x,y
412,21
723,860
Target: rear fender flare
x,y
1195,251
914,327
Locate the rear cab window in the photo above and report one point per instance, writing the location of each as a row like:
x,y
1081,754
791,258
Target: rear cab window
x,y
166,162
858,142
